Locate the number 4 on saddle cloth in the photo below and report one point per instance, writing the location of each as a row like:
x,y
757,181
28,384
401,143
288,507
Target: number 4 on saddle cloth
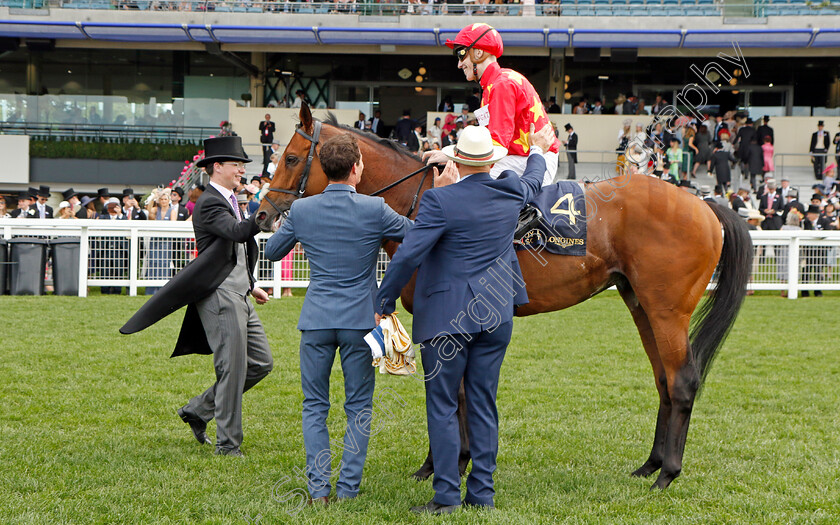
x,y
554,220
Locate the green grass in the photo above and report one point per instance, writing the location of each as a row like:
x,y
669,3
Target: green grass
x,y
88,431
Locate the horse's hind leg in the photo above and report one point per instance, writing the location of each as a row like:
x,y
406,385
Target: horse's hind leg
x,y
427,469
671,331
640,317
464,431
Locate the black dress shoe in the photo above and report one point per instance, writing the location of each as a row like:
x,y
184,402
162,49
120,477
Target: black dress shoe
x,y
197,425
433,507
323,501
235,452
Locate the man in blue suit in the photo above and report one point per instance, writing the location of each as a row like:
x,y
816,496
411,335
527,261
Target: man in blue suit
x,y
468,282
341,232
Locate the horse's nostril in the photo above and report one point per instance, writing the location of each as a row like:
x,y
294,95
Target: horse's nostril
x,y
261,216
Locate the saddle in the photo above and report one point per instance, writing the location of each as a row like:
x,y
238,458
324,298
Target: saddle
x,y
529,218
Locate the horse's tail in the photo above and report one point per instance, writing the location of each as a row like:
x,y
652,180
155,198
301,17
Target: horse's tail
x,y
711,324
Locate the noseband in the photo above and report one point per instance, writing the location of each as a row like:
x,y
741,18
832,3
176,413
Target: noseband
x,y
313,141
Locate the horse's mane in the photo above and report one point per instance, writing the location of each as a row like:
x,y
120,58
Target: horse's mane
x,y
332,120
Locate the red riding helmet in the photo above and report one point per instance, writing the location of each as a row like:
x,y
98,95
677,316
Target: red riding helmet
x,y
478,36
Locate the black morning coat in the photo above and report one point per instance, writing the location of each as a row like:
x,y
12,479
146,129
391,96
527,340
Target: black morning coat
x,y
216,233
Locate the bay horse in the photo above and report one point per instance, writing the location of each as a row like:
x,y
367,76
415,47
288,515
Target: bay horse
x,y
658,245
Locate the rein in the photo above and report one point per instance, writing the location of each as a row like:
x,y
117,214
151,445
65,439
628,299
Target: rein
x,y
424,170
313,140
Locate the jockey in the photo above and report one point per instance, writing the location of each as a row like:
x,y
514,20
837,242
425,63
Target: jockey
x,y
510,103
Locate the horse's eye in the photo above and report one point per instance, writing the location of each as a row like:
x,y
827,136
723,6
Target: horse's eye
x,y
291,160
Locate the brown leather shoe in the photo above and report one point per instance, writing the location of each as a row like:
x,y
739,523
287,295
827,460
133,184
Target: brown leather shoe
x,y
323,501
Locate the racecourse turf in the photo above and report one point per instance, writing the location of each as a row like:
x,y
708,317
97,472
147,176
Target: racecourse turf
x,y
88,431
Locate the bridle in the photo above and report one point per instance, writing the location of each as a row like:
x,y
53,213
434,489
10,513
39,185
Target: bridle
x,y
314,139
304,178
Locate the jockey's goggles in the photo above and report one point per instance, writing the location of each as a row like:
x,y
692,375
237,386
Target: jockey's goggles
x,y
461,51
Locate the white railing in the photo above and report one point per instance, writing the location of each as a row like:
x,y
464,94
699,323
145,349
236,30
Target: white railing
x,y
138,254
147,253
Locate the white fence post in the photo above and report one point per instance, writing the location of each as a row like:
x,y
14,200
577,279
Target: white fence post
x,y
133,257
275,266
793,267
84,252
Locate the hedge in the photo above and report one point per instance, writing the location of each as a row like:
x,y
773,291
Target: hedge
x,y
66,149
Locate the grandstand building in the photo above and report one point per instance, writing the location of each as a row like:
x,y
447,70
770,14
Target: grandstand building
x,y
161,64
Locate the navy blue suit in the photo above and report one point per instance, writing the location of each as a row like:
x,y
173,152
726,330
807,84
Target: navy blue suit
x,y
341,232
468,282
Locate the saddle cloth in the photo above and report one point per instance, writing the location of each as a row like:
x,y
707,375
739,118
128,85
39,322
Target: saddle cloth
x,y
555,220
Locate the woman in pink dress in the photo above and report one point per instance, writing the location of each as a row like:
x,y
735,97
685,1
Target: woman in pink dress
x,y
767,147
287,270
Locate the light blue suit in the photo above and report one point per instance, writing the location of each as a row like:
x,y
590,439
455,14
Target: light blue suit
x,y
341,232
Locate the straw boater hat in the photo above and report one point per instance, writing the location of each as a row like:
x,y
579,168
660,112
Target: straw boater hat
x,y
755,214
475,148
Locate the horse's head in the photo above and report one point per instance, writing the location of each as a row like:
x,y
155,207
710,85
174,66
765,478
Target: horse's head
x,y
298,172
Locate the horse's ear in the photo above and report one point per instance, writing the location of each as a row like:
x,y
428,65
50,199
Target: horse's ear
x,y
305,117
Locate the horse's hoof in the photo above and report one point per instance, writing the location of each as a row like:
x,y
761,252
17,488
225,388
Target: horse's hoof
x,y
422,474
645,470
663,481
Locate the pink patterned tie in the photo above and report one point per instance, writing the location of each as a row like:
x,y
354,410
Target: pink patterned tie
x,y
235,207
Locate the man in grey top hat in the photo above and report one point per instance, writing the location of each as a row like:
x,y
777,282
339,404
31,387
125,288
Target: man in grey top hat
x,y
792,202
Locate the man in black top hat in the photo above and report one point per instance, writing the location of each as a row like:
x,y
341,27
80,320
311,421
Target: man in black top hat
x,y
721,159
746,135
131,208
42,211
571,143
404,128
819,148
73,199
75,204
267,130
103,195
69,195
815,257
837,148
24,209
220,318
177,198
764,130
179,245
